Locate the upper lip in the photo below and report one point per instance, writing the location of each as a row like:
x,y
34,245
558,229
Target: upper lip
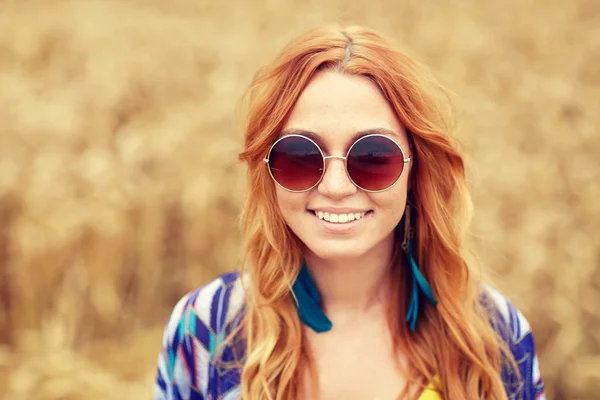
x,y
332,210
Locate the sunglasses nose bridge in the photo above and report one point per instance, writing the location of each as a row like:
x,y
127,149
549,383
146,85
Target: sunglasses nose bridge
x,y
334,182
344,159
338,157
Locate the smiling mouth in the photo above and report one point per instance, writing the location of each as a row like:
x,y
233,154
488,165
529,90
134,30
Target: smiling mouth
x,y
340,218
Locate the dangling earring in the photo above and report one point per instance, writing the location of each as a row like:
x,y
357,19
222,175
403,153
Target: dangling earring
x,y
308,302
418,280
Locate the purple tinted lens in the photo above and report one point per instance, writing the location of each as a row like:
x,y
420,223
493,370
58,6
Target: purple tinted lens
x,y
375,163
296,163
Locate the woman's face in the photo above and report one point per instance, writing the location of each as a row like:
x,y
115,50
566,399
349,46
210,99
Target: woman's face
x,y
334,107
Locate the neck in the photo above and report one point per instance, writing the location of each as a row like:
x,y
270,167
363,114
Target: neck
x,y
353,286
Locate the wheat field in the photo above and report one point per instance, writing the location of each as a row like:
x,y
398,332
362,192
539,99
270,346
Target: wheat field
x,y
120,187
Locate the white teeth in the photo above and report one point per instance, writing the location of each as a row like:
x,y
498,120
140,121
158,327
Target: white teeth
x,y
339,218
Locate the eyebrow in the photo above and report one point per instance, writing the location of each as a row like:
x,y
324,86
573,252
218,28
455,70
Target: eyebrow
x,y
319,139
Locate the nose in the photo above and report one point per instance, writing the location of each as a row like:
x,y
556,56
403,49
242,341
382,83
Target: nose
x,y
335,183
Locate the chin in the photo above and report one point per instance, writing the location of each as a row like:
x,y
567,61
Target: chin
x,y
335,251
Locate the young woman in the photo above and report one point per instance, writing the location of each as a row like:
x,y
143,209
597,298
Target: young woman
x,y
353,285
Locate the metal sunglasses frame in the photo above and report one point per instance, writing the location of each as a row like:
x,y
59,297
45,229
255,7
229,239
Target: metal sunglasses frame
x,y
345,158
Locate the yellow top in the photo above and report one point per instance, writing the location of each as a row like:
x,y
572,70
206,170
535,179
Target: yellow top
x,y
430,393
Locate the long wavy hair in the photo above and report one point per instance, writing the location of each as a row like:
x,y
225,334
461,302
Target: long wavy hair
x,y
454,341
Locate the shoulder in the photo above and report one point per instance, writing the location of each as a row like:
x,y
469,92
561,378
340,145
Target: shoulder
x,y
208,310
514,329
508,320
214,304
200,320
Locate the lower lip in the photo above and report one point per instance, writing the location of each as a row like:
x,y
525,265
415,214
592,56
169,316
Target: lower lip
x,y
339,227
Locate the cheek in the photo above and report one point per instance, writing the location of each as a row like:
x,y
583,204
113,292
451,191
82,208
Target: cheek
x,y
392,202
290,203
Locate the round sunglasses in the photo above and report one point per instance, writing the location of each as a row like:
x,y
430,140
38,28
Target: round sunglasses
x,y
374,163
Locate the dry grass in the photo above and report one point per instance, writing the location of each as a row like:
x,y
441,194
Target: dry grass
x,y
119,184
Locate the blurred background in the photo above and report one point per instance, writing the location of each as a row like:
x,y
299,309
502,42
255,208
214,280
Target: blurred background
x,y
120,187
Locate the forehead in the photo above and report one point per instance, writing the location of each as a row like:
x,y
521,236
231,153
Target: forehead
x,y
336,106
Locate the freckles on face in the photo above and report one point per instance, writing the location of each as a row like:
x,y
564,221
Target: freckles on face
x,y
336,219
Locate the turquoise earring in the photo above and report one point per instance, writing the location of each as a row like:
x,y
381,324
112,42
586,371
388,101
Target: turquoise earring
x,y
308,302
418,280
